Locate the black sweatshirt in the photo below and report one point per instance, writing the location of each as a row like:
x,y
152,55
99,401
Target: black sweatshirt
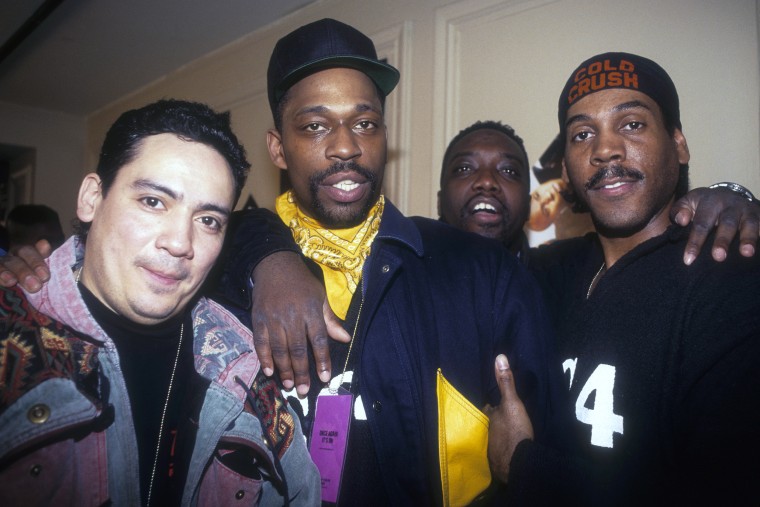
x,y
663,364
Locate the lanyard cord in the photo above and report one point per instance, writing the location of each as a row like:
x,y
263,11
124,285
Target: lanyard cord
x,y
350,345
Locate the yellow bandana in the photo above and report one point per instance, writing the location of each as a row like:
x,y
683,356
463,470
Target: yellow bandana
x,y
340,253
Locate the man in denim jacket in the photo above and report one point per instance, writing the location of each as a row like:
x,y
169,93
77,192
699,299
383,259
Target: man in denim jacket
x,y
118,384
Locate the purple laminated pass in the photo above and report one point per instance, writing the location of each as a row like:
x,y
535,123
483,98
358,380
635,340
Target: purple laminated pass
x,y
329,439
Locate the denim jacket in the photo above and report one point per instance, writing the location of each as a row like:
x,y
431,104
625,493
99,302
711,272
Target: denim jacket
x,y
66,430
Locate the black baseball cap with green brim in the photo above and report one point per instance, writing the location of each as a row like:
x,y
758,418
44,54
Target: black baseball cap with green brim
x,y
320,45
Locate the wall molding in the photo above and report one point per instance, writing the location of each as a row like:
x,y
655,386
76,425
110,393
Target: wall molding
x,y
450,23
395,45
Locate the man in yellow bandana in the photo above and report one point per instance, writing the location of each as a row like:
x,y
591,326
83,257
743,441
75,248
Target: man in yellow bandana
x,y
427,307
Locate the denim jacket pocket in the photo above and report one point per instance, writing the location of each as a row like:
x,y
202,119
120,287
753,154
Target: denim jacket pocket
x,y
222,486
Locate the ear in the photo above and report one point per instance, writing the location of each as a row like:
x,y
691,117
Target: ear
x,y
439,203
681,147
90,196
276,153
565,179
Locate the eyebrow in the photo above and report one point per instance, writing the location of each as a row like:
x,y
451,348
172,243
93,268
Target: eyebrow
x,y
359,108
366,107
146,184
633,104
504,154
311,110
625,106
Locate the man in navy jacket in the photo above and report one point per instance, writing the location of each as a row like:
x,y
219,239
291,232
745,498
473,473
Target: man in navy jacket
x,y
416,295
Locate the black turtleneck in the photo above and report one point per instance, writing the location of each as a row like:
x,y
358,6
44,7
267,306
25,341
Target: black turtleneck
x,y
147,355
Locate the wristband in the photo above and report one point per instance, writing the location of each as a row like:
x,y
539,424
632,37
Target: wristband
x,y
735,188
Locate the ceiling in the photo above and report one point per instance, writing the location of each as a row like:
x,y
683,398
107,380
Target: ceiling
x,y
88,53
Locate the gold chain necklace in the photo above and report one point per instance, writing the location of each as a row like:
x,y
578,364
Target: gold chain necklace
x,y
594,280
350,345
78,276
163,414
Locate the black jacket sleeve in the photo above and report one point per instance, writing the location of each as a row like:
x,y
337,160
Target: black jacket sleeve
x,y
253,234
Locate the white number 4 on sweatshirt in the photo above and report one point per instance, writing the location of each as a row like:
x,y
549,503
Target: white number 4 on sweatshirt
x,y
602,418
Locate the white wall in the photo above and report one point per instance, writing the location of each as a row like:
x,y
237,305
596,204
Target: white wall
x,y
466,60
510,60
59,142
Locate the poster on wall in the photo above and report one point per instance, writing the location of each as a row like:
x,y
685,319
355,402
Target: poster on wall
x,y
551,215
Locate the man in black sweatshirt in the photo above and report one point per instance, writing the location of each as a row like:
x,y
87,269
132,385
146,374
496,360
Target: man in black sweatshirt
x,y
660,357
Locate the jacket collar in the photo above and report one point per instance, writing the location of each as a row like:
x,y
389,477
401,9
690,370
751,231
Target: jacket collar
x,y
60,297
396,227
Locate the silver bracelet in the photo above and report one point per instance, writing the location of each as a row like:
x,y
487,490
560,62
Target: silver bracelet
x,y
735,188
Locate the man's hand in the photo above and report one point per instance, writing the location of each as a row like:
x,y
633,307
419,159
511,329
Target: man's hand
x,y
720,209
289,311
509,422
27,267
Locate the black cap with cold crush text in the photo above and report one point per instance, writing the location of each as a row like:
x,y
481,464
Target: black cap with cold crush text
x,y
621,70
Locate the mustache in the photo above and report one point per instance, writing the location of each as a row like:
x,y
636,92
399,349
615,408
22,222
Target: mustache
x,y
613,171
164,267
317,178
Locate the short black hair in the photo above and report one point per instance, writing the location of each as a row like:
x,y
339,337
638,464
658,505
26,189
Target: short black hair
x,y
190,121
28,223
480,125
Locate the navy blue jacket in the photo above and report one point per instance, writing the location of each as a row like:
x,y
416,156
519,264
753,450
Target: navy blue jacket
x,y
435,297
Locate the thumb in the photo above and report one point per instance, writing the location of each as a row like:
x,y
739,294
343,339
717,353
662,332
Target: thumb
x,y
504,379
681,216
333,324
44,248
682,211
